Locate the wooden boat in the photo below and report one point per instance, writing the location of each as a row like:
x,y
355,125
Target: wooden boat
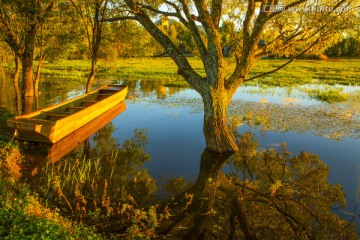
x,y
51,153
53,123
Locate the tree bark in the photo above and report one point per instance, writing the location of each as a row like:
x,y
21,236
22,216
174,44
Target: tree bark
x,y
27,62
217,135
37,79
16,84
28,84
3,95
91,76
27,65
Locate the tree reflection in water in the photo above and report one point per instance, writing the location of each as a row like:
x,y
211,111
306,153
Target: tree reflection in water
x,y
260,195
265,195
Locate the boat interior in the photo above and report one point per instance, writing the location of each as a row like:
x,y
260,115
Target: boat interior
x,y
68,108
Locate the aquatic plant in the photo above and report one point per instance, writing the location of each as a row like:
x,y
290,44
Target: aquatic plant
x,y
107,186
329,95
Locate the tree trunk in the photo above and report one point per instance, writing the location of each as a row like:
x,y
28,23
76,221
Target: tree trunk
x,y
28,84
217,135
37,80
91,76
28,88
27,65
3,95
16,84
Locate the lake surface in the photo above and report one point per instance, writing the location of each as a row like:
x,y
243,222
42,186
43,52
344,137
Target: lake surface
x,y
173,118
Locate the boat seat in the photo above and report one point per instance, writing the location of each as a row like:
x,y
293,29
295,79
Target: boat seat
x,y
88,103
49,114
79,108
35,121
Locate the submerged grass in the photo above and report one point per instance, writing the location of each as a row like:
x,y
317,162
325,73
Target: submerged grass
x,y
330,95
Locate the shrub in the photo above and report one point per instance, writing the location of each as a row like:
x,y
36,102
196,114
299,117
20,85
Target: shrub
x,y
22,216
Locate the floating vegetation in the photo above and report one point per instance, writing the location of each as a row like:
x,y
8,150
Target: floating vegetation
x,y
330,121
327,94
176,84
264,100
291,100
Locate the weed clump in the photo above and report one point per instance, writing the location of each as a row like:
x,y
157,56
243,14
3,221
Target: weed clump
x,y
330,95
10,163
22,214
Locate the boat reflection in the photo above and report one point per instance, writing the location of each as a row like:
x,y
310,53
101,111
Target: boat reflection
x,y
52,153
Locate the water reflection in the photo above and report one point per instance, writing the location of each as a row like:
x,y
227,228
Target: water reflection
x,y
266,195
252,194
148,88
94,186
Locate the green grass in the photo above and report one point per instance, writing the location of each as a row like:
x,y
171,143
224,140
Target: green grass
x,y
343,72
23,214
329,95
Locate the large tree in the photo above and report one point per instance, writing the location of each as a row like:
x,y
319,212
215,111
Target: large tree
x,y
20,21
253,20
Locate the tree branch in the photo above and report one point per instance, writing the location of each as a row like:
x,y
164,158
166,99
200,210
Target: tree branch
x,y
169,14
115,19
216,7
194,29
283,65
179,15
185,69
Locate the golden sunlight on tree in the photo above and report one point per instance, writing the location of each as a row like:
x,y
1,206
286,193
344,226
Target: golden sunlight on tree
x,y
258,29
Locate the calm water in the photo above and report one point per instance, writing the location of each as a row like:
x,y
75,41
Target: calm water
x,y
173,118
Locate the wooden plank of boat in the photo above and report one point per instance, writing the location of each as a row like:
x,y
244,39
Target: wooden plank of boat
x,y
53,123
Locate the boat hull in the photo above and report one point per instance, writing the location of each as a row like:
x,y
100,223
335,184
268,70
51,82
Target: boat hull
x,y
34,126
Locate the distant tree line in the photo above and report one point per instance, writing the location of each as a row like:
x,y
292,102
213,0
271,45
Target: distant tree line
x,y
346,48
122,41
128,39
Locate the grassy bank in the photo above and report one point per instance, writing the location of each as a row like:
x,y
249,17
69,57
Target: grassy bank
x,y
343,72
22,213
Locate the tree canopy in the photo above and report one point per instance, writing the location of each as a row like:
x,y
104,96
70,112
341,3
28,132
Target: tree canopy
x,y
256,29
